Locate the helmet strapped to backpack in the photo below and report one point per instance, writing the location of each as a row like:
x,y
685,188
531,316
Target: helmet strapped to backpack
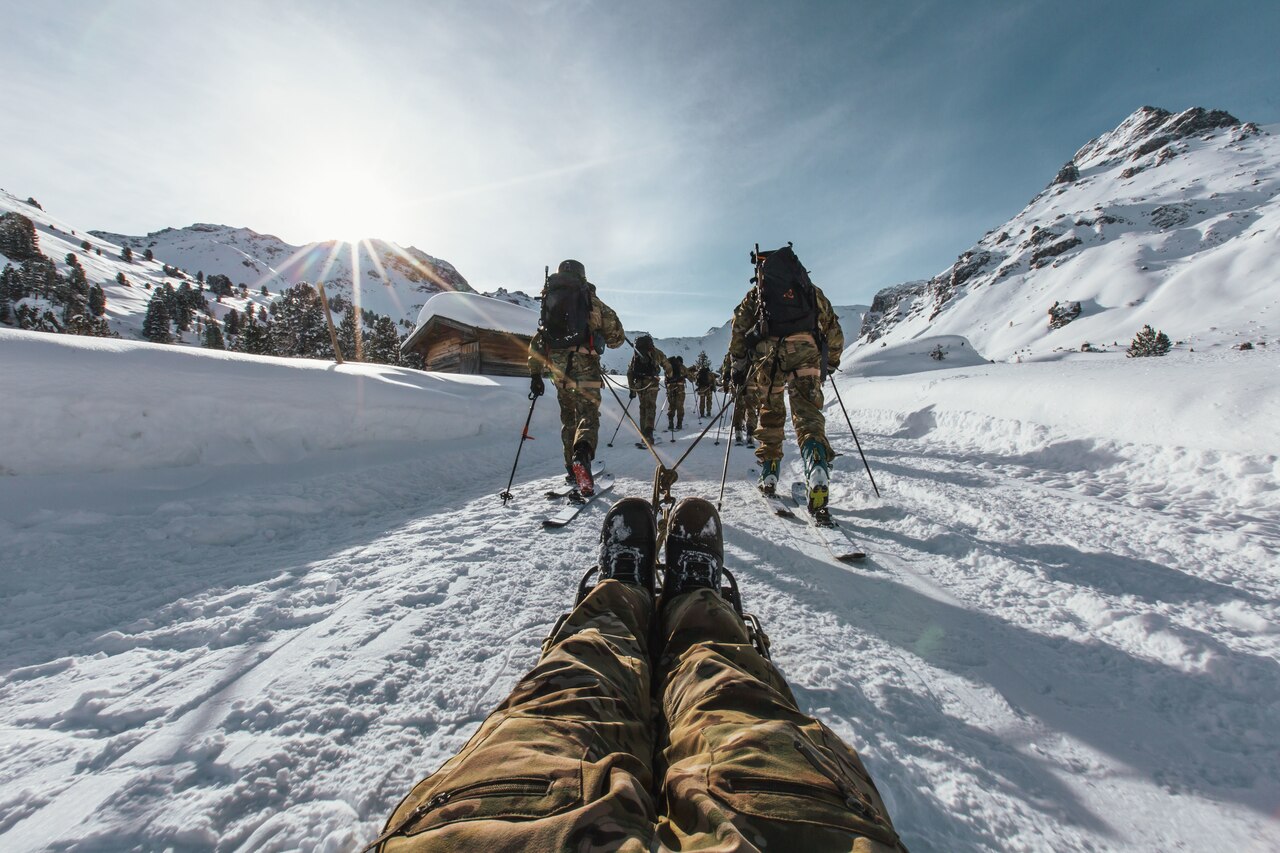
x,y
788,302
566,307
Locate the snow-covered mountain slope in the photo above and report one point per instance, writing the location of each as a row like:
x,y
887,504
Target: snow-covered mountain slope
x,y
1168,220
394,281
247,612
715,343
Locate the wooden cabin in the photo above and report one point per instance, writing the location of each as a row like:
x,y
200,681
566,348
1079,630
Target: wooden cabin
x,y
470,333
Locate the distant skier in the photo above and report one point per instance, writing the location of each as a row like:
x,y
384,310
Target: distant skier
x,y
705,383
577,759
647,364
677,376
786,336
574,329
744,410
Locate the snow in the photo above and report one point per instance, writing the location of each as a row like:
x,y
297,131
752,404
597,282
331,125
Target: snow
x,y
482,312
245,603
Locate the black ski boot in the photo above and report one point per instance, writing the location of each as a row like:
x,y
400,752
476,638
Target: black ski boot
x,y
695,548
628,548
581,469
628,540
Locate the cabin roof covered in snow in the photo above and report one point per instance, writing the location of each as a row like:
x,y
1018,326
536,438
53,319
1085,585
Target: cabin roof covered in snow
x,y
481,312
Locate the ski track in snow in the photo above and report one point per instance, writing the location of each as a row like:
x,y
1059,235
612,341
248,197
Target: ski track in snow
x,y
1041,650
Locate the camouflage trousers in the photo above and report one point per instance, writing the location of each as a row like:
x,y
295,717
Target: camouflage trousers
x,y
574,759
577,379
792,365
648,395
744,411
675,404
706,402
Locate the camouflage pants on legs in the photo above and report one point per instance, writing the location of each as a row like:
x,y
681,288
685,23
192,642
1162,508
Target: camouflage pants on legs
x,y
744,412
675,404
648,407
705,399
566,762
794,366
577,379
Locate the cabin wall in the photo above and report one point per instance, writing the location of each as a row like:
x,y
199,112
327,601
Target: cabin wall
x,y
461,349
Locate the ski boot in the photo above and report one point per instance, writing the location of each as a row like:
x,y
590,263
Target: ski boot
x,y
817,477
695,548
695,560
769,470
581,469
737,436
628,540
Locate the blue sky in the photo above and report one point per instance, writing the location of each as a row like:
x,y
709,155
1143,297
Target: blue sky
x,y
656,142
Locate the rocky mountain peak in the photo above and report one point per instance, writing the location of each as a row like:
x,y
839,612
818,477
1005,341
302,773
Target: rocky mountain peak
x,y
1148,129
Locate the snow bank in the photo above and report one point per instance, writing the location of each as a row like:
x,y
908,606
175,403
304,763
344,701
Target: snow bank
x,y
81,405
483,312
1223,400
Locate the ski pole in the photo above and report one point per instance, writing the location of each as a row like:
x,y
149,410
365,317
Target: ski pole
x,y
620,420
524,434
719,423
728,445
853,433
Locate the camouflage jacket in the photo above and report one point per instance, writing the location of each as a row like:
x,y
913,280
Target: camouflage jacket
x,y
603,323
748,311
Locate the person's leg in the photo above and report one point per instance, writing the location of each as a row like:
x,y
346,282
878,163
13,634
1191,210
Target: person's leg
x,y
565,762
804,391
585,373
768,390
648,409
743,768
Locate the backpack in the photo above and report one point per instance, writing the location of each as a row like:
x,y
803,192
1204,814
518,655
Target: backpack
x,y
788,302
704,377
566,308
643,367
677,370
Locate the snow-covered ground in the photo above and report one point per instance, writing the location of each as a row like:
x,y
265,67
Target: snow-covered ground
x,y
245,603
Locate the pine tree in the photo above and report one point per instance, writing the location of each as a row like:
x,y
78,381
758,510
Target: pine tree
x,y
149,255
233,322
126,255
97,300
1149,342
383,343
155,325
213,335
701,361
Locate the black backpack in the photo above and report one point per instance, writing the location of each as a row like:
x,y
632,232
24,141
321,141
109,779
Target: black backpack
x,y
788,302
566,308
643,367
704,377
677,370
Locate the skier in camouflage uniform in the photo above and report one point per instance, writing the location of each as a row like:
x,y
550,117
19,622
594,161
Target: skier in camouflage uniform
x,y
787,337
574,328
706,390
744,409
574,760
647,364
677,375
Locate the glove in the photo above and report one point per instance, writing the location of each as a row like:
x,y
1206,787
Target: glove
x,y
739,375
536,386
633,393
832,367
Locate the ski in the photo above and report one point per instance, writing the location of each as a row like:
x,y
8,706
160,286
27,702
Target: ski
x,y
776,504
574,503
836,540
564,490
656,442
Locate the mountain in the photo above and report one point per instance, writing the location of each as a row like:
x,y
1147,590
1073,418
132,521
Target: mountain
x,y
394,281
715,343
1170,219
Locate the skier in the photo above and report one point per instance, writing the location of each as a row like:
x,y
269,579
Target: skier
x,y
573,759
705,383
786,336
574,329
744,410
642,378
677,375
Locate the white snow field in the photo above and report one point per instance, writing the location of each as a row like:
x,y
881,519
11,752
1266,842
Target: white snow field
x,y
245,603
